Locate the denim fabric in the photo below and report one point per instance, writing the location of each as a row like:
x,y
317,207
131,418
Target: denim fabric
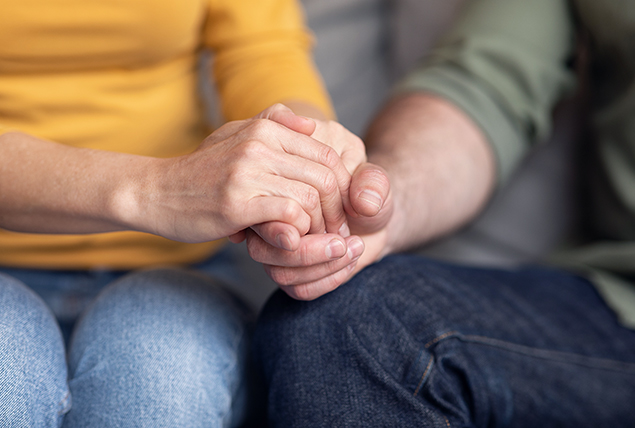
x,y
33,388
69,292
157,348
411,342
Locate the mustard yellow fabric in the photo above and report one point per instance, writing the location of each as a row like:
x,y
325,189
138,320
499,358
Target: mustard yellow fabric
x,y
124,76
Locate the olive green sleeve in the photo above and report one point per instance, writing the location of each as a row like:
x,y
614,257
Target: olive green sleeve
x,y
505,63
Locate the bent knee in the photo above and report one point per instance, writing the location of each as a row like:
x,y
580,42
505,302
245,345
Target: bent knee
x,y
171,317
24,316
33,375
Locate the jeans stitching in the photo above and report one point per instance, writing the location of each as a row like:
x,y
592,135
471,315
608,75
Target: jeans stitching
x,y
423,377
440,338
447,422
64,404
546,354
560,356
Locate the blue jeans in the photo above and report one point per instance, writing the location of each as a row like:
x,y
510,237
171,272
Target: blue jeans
x,y
156,348
414,343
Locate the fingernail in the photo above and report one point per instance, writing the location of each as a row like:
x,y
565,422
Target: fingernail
x,y
371,197
335,249
344,231
283,241
356,248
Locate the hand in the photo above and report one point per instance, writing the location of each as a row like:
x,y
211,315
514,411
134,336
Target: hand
x,y
324,262
246,173
347,145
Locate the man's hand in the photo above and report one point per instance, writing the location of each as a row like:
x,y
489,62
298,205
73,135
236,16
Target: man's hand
x,y
312,265
442,171
324,262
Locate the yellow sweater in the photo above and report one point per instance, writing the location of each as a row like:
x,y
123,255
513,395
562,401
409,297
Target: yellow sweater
x,y
122,76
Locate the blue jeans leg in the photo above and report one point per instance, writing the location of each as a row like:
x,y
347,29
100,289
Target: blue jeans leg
x,y
33,388
412,342
160,348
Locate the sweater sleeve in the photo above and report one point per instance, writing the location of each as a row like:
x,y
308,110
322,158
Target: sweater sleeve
x,y
262,55
505,63
4,129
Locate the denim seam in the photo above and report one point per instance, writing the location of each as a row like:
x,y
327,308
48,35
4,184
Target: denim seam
x,y
351,332
440,338
545,354
64,404
423,377
559,356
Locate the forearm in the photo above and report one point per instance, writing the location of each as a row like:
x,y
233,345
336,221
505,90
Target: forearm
x,y
245,173
440,166
47,187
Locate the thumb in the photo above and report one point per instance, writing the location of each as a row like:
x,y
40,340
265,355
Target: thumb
x,y
371,201
286,117
369,190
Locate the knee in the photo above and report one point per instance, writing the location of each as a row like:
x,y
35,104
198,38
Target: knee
x,y
171,308
392,286
33,374
25,320
356,308
390,308
161,302
165,335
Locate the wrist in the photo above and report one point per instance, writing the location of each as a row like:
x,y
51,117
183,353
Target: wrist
x,y
135,196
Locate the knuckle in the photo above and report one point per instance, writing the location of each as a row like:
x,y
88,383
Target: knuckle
x,y
311,199
328,156
329,183
261,126
291,212
253,148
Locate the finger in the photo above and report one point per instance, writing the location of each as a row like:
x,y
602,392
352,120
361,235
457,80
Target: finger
x,y
309,198
322,198
237,237
349,146
264,209
280,235
313,250
285,116
285,275
312,150
313,290
369,190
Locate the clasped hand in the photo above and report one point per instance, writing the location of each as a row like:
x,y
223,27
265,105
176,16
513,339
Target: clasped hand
x,y
308,265
298,190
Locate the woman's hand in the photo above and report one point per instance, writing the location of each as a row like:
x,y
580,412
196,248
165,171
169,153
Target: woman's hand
x,y
347,145
246,173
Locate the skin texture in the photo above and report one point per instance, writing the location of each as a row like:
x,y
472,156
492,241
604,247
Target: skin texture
x,y
430,171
